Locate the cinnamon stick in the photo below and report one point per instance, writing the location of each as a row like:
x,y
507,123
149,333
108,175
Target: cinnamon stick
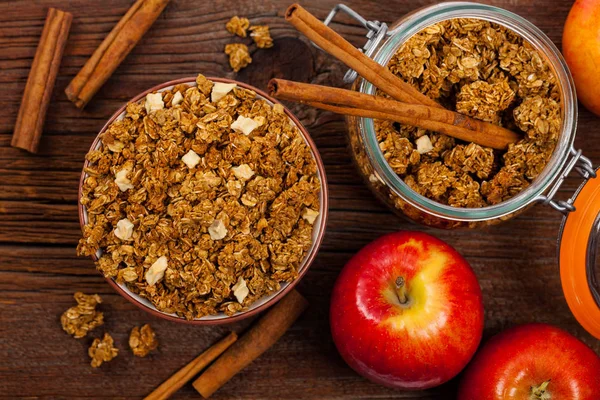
x,y
252,344
350,102
175,382
113,50
331,42
40,83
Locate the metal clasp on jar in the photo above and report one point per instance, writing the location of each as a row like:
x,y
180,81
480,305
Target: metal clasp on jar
x,y
579,163
376,31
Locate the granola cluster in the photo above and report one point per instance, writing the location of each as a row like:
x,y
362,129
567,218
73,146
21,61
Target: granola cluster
x,y
83,317
102,351
261,36
238,26
239,54
201,199
488,72
142,340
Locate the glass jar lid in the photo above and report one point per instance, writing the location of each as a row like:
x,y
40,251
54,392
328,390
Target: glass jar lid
x,y
578,256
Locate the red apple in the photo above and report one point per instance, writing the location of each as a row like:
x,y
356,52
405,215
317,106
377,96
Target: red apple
x,y
406,311
532,362
581,48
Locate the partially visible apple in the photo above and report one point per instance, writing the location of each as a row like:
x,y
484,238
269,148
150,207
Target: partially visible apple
x,y
581,49
532,362
406,311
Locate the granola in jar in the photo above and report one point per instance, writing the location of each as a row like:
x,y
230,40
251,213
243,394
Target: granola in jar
x,y
202,199
486,71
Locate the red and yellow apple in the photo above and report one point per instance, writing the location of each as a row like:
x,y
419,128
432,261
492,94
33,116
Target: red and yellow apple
x,y
406,311
581,49
532,362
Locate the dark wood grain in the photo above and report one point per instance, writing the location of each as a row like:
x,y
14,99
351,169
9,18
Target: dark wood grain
x,y
515,262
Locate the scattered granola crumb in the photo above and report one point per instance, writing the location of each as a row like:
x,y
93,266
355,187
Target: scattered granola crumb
x,y
142,341
261,36
83,317
238,26
102,351
239,56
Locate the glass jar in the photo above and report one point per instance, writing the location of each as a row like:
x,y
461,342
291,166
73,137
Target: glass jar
x,y
392,190
578,238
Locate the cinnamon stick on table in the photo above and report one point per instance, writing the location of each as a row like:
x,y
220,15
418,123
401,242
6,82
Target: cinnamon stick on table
x,y
175,382
113,50
331,42
40,83
252,344
350,102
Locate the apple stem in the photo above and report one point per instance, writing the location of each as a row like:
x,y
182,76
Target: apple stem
x,y
539,392
401,290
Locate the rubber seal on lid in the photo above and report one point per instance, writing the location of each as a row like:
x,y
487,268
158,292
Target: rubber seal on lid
x,y
577,257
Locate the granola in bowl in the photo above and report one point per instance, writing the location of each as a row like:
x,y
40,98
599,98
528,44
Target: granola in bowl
x,y
203,200
488,72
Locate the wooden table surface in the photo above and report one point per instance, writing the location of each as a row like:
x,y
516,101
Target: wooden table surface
x,y
39,271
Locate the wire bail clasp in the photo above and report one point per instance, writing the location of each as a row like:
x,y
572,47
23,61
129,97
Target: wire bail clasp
x,y
376,31
583,166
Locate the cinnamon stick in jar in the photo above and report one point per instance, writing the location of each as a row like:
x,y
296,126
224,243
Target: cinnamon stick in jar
x,y
332,43
40,83
350,102
252,344
113,50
